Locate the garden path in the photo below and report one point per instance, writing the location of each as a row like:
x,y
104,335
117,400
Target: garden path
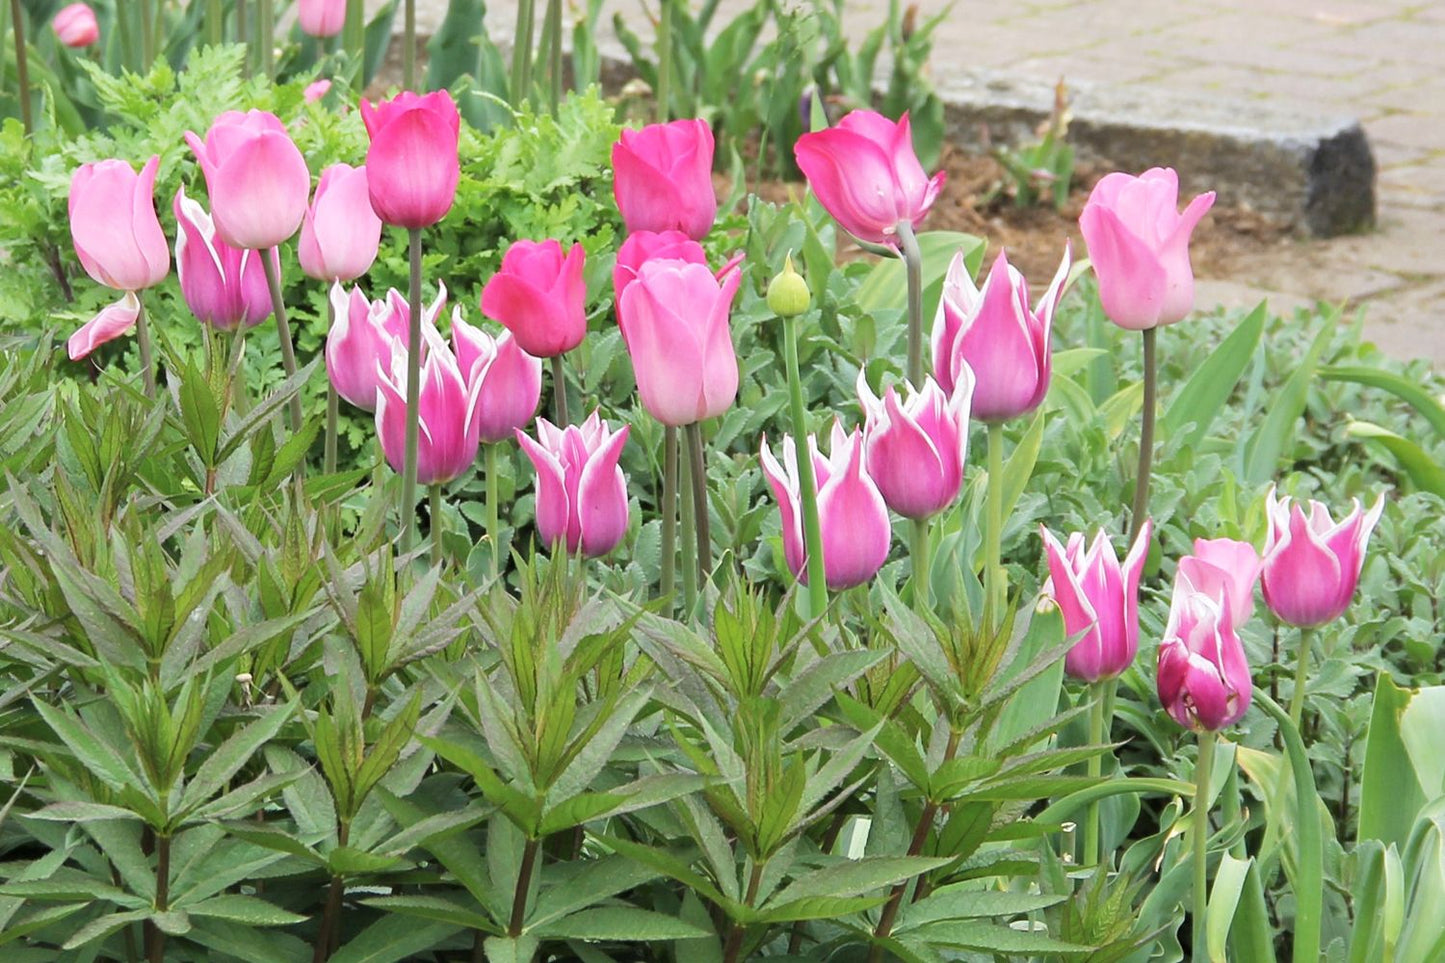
x,y
1377,60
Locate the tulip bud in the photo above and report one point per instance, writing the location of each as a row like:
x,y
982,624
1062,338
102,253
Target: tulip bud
x,y
448,408
114,227
1098,599
540,296
316,90
412,166
321,18
662,178
75,25
788,294
581,491
1311,563
340,233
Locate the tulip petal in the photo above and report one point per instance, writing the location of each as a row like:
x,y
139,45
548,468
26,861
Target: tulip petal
x,y
113,321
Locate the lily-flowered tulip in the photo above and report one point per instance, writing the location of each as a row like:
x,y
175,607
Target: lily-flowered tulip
x,y
1139,245
851,512
316,90
540,296
917,447
340,232
1312,563
448,413
581,492
662,178
643,246
992,331
867,175
674,318
75,25
1227,569
256,177
224,286
367,337
119,241
412,166
1203,675
1099,599
510,379
321,18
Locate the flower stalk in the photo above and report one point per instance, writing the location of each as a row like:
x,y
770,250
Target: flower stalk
x,y
283,331
434,510
22,66
522,52
559,391
408,50
1202,769
807,482
1146,435
413,395
993,577
143,336
669,511
1301,673
493,497
913,269
699,500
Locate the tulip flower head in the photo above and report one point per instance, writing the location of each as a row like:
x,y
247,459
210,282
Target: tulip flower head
x,y
993,332
75,25
321,18
256,178
340,233
224,286
1225,568
1139,246
316,90
510,379
662,178
1099,599
581,491
412,167
867,175
917,447
119,241
1203,676
851,511
643,246
541,297
674,319
1312,563
364,337
448,413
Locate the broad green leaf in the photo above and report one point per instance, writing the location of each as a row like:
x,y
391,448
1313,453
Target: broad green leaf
x,y
1198,403
393,938
244,909
437,909
103,926
596,880
93,754
1224,895
1267,445
1391,795
1020,465
982,937
1406,389
971,901
248,943
617,923
1423,472
232,754
854,877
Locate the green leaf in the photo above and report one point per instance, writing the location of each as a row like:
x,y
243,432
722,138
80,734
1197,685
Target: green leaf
x,y
504,949
970,901
1423,472
79,812
626,923
1403,769
983,937
393,938
93,754
437,909
1223,901
1198,403
1267,445
244,909
231,755
1020,465
1309,844
854,877
885,288
102,927
1406,389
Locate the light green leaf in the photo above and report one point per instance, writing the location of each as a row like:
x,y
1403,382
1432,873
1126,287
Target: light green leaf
x,y
1198,403
1223,900
1412,459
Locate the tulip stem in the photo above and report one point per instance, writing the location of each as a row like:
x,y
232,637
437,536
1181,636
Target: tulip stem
x,y
1096,765
283,330
664,61
147,38
408,50
522,53
242,38
434,510
413,395
1146,436
22,66
812,527
669,512
554,70
215,23
494,489
1202,770
913,268
689,543
922,564
143,335
699,501
559,391
266,36
353,38
333,405
1301,672
993,577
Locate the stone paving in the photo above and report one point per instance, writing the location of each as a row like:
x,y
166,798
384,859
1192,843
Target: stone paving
x,y
1380,61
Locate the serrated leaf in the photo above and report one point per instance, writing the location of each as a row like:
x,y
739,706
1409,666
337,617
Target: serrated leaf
x,y
617,923
244,909
393,938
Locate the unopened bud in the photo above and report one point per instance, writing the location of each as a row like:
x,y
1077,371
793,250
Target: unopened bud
x,y
788,294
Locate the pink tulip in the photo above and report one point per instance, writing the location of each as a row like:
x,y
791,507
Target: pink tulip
x,y
448,413
1226,569
540,296
256,177
643,246
340,232
1139,246
865,172
412,167
113,321
851,511
917,448
316,90
674,319
1098,599
994,333
321,18
223,286
75,25
1203,675
366,337
662,178
581,492
511,379
114,227
1311,563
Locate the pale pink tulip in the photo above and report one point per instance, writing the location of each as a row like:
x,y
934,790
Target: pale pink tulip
x,y
113,321
643,246
1225,568
510,379
321,18
340,232
114,227
256,177
316,90
75,25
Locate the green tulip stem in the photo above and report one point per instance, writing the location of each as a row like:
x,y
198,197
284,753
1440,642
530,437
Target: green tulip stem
x,y
993,577
243,38
143,335
22,66
1146,436
408,50
669,512
913,268
353,36
920,549
147,36
1102,706
1301,674
807,483
1202,769
283,331
554,69
664,61
522,53
434,510
689,541
215,23
266,36
413,396
333,406
559,391
697,455
494,491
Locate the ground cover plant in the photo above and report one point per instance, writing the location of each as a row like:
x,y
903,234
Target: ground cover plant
x,y
426,569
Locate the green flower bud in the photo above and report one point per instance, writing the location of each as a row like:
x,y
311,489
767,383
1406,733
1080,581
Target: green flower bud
x,y
788,294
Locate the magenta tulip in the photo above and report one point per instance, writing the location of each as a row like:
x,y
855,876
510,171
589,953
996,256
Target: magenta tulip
x,y
223,286
1098,599
1312,563
917,448
993,332
662,178
865,172
256,177
581,492
321,18
1227,569
340,232
1203,676
75,25
851,512
643,246
448,413
540,296
316,90
511,379
1139,245
363,338
674,319
412,167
